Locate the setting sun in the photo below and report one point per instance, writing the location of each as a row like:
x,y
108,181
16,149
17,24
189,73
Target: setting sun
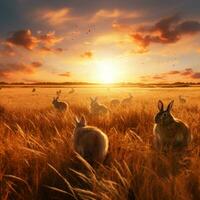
x,y
107,71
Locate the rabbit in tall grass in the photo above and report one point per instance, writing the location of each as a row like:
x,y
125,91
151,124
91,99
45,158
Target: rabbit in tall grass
x,y
170,132
71,91
127,101
96,107
59,105
115,102
58,93
90,142
182,99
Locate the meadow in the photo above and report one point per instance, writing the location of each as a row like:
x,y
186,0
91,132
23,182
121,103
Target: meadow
x,y
37,160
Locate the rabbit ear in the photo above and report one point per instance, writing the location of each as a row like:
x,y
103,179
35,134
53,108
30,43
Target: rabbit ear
x,y
169,107
76,121
160,105
83,120
91,99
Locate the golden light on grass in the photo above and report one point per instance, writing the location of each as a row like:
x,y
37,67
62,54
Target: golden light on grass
x,y
36,150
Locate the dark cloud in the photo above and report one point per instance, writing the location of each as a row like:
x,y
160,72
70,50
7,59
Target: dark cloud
x,y
174,72
36,64
87,54
26,39
187,71
6,70
195,75
166,31
187,74
23,38
65,74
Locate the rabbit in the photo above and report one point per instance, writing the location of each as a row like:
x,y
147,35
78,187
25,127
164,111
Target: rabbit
x,y
71,91
182,99
58,93
61,106
170,132
33,90
127,101
90,142
115,102
97,108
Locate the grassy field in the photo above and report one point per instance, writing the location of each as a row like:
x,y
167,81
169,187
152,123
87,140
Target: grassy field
x,y
37,160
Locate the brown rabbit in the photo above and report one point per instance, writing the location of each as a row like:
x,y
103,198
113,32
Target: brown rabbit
x,y
170,132
90,142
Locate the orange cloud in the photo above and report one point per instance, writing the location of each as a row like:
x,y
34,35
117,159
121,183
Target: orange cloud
x,y
23,38
7,50
55,17
49,39
122,27
87,54
26,39
113,14
9,69
36,64
186,74
165,31
65,74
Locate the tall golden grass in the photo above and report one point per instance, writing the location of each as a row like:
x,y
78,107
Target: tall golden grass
x,y
37,160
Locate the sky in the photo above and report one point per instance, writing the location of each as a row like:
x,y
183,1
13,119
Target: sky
x,y
100,41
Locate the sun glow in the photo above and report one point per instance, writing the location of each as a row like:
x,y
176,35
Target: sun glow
x,y
108,71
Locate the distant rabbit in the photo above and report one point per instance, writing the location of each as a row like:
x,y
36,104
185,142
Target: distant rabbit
x,y
90,142
182,99
71,91
127,101
33,90
58,93
170,132
97,108
61,106
115,102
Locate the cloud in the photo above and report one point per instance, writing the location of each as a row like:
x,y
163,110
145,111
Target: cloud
x,y
9,69
51,49
139,50
158,77
187,71
36,64
23,38
195,75
187,74
65,74
6,50
49,39
121,27
166,31
56,16
174,72
26,39
87,54
114,14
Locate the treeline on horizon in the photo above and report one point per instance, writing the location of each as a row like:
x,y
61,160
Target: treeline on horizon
x,y
175,84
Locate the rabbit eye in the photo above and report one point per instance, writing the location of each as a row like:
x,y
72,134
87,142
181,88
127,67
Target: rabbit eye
x,y
164,114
